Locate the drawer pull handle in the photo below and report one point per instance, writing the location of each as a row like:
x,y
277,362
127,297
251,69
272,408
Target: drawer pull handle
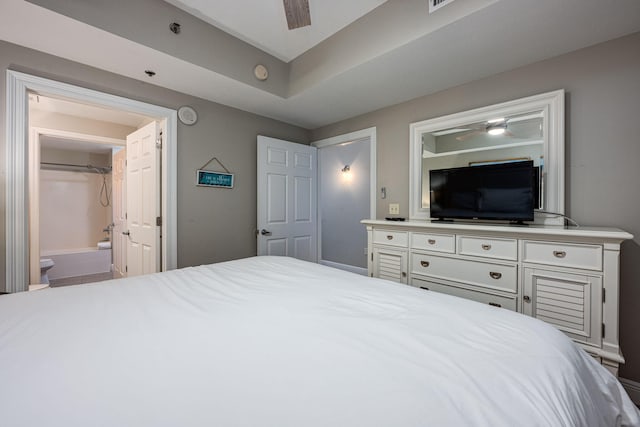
x,y
486,247
389,237
495,304
431,241
424,263
495,275
559,254
424,287
526,298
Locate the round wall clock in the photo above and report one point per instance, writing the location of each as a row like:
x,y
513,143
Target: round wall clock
x,y
187,115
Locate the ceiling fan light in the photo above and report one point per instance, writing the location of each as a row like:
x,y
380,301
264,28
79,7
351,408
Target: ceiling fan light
x,y
496,131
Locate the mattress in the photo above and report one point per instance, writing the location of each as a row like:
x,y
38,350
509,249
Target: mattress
x,y
274,341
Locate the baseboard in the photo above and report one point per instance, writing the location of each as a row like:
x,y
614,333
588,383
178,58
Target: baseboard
x,y
632,388
351,268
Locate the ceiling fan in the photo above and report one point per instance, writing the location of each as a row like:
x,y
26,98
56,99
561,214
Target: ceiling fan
x,y
482,128
499,126
491,127
297,13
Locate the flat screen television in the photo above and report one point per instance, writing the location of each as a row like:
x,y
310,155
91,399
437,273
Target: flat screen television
x,y
504,191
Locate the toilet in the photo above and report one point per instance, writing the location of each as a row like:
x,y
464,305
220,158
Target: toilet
x,y
45,265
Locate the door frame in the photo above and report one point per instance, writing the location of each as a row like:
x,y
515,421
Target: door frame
x,y
16,163
34,183
369,133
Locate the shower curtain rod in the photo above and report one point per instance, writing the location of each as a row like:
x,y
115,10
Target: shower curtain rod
x,y
89,168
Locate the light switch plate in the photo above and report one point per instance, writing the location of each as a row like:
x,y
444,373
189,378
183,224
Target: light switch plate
x,y
394,209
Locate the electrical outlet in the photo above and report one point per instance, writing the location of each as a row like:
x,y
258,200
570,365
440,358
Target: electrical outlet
x,y
394,209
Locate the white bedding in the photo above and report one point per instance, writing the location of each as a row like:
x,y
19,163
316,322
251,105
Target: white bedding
x,y
274,341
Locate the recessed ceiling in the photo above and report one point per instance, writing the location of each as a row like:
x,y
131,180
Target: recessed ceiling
x,y
394,53
263,24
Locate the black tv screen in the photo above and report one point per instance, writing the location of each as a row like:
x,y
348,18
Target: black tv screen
x,y
505,191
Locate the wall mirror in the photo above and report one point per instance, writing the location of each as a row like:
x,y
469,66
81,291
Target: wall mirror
x,y
530,128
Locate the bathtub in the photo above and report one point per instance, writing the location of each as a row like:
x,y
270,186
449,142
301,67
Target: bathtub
x,y
78,262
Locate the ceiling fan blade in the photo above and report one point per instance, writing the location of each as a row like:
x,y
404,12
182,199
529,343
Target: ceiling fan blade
x,y
469,135
297,12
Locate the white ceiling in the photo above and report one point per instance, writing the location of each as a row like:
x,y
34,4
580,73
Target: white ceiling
x,y
263,23
395,53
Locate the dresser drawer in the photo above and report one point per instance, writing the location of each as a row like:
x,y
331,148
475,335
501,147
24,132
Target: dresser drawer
x,y
563,254
434,242
501,277
488,247
483,297
393,238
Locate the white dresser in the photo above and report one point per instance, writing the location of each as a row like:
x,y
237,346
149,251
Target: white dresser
x,y
568,277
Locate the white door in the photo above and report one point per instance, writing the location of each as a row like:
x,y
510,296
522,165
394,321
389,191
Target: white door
x,y
287,202
143,201
119,241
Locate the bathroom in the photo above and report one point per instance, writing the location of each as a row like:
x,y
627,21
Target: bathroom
x,y
73,198
75,212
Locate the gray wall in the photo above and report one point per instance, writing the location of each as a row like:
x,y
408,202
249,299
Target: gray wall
x,y
602,147
345,201
213,224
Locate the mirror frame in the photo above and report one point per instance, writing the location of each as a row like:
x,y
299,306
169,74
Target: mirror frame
x,y
552,105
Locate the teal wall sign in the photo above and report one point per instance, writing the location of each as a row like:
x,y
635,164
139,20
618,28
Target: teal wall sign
x,y
214,179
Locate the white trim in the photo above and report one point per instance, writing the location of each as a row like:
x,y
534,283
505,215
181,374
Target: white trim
x,y
345,267
16,147
552,105
632,388
369,133
97,139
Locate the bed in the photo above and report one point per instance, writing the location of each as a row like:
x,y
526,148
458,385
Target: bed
x,y
274,341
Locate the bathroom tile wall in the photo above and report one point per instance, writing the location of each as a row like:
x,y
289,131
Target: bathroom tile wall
x,y
71,215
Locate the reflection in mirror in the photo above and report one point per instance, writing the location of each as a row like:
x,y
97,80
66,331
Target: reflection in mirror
x,y
530,128
506,139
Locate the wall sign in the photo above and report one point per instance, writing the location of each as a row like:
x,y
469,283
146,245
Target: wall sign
x,y
207,178
214,179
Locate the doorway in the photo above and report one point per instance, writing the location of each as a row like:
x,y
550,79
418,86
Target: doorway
x,y
78,193
346,195
19,85
70,205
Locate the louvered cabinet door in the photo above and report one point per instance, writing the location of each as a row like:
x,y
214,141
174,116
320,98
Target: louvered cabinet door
x,y
571,302
390,264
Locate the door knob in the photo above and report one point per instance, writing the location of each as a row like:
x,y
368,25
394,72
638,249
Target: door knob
x,y
265,232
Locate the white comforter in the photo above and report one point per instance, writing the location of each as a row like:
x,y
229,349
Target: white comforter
x,y
278,342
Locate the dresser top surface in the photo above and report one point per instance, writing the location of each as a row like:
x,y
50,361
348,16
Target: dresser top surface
x,y
606,233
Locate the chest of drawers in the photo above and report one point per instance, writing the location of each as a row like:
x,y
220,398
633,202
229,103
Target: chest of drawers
x,y
568,277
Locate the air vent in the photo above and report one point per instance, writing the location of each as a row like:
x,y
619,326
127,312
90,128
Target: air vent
x,y
437,4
